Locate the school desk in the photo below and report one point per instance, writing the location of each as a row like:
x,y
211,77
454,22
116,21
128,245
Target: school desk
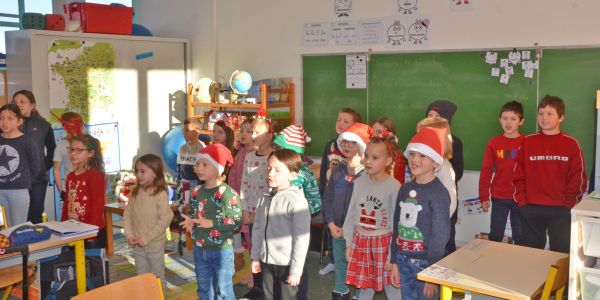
x,y
119,209
491,268
51,247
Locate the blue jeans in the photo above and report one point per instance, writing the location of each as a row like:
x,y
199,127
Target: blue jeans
x,y
16,203
500,210
410,286
214,269
37,196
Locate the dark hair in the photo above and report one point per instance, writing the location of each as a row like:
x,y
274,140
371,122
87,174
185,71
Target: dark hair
x,y
194,122
229,134
389,149
13,108
350,111
92,144
69,116
290,158
554,102
387,123
247,121
29,95
513,106
154,163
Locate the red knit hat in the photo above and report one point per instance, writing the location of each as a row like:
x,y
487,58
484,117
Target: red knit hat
x,y
428,141
359,133
218,156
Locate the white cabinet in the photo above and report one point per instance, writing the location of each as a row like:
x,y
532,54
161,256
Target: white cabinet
x,y
584,279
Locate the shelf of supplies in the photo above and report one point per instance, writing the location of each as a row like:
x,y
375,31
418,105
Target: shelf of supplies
x,y
225,105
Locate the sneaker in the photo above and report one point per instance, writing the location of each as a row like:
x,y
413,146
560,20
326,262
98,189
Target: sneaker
x,y
253,294
327,269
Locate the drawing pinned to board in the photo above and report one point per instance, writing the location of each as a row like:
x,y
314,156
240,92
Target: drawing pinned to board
x,y
504,79
525,55
509,71
514,57
417,32
503,62
316,34
495,72
491,57
528,73
396,34
407,6
343,8
342,33
461,5
356,71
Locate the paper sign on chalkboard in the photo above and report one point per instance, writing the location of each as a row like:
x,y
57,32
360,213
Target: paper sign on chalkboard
x,y
356,71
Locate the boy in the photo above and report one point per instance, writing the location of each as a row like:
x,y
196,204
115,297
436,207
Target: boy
x,y
188,153
495,179
549,179
421,220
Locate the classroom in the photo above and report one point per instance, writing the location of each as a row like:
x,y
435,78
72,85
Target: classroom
x,y
157,99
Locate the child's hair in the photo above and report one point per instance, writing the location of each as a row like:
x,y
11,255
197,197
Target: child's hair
x,y
92,143
247,121
389,125
229,134
29,95
438,122
70,116
13,108
258,121
290,158
554,102
513,106
194,122
355,115
154,163
390,150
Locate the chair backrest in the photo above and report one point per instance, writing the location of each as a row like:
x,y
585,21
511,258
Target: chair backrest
x,y
3,219
558,275
146,286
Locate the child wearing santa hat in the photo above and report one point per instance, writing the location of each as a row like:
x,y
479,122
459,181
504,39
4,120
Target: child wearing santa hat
x,y
215,213
421,219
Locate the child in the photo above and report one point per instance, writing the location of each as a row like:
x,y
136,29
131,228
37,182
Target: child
x,y
336,198
281,232
367,229
86,187
380,127
244,147
496,175
147,215
223,134
186,159
549,179
73,125
331,157
214,215
21,165
254,182
38,129
421,218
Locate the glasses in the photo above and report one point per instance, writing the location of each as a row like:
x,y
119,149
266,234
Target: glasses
x,y
76,150
348,144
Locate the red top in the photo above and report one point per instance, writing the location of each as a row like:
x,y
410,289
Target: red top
x,y
85,197
549,171
498,167
399,167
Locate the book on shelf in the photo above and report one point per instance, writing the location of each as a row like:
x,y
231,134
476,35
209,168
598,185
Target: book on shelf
x,y
70,227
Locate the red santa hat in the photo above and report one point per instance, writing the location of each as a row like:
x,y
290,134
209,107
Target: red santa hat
x,y
218,156
430,142
359,133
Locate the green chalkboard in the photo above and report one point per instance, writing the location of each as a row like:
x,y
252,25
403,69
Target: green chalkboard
x,y
401,86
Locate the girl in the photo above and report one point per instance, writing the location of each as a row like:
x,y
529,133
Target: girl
x,y
86,187
214,215
19,165
281,232
147,215
223,134
368,225
42,134
245,146
385,127
72,124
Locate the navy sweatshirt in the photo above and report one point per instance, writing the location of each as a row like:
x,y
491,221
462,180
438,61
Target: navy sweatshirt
x,y
19,162
338,194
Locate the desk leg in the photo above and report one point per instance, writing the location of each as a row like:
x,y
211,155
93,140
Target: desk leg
x,y
189,243
79,265
109,233
445,293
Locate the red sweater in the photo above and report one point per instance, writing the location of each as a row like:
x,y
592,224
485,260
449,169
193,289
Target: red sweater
x,y
399,167
498,167
549,171
85,197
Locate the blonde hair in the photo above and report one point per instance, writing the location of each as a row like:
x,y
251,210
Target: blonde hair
x,y
439,122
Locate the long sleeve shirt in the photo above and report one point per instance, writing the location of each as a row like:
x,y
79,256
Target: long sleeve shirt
x,y
326,163
147,217
446,175
254,180
307,180
550,171
42,134
457,160
20,163
497,168
338,194
85,197
234,178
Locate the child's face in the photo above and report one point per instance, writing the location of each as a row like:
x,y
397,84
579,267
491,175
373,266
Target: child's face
x,y
219,135
548,119
9,122
205,170
376,158
344,121
144,175
261,135
278,174
246,134
190,133
420,164
23,103
433,114
510,122
349,148
378,128
79,153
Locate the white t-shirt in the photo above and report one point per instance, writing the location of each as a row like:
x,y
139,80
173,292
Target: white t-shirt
x,y
61,155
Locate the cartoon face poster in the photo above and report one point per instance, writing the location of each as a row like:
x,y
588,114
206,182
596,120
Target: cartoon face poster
x,y
461,5
411,31
342,8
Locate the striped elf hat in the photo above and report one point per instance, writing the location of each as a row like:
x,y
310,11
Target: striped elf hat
x,y
292,137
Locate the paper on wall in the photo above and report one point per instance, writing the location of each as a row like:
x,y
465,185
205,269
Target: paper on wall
x,y
356,71
504,62
528,73
525,55
509,71
316,34
343,33
2,81
370,32
504,79
342,8
491,57
495,72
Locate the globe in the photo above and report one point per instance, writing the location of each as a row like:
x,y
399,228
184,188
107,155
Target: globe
x,y
240,82
172,141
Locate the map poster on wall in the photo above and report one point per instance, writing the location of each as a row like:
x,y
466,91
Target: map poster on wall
x,y
82,79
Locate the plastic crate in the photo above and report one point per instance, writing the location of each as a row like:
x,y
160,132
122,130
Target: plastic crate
x,y
590,283
55,22
100,18
33,21
590,231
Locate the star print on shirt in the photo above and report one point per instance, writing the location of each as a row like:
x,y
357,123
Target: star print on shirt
x,y
9,160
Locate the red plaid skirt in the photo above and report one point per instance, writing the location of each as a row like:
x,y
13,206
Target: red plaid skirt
x,y
366,268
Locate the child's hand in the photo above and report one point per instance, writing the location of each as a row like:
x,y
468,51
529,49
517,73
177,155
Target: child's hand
x,y
131,241
255,266
348,253
247,217
293,280
395,276
203,223
387,267
485,206
139,241
430,290
187,223
336,232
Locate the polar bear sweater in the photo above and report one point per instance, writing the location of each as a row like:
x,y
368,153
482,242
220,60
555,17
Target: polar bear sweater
x,y
422,223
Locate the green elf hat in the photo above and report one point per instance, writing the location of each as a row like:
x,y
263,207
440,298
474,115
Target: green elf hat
x,y
292,137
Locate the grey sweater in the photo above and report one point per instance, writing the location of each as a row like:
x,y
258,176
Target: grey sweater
x,y
20,163
281,232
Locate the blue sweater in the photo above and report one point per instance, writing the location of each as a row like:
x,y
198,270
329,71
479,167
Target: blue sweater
x,y
338,194
20,163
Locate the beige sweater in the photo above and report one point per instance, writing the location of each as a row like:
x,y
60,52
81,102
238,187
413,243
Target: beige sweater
x,y
147,217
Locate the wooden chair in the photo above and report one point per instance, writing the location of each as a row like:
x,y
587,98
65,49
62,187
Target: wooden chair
x,y
146,286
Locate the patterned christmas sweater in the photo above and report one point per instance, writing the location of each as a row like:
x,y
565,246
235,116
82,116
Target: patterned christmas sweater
x,y
308,182
85,197
254,180
221,205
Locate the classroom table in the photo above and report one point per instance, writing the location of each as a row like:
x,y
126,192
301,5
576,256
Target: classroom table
x,y
119,209
491,268
51,247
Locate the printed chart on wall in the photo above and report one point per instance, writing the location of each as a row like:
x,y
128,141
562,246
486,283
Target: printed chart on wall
x,y
82,79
